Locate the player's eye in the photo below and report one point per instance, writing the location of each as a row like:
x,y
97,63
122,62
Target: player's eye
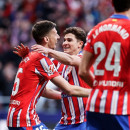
x,y
69,40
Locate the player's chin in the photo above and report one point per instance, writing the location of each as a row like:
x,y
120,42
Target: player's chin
x,y
66,51
53,47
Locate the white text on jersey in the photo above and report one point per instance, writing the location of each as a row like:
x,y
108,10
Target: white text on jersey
x,y
108,83
109,27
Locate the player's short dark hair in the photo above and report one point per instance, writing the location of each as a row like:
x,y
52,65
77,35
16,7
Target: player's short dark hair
x,y
41,29
79,33
121,5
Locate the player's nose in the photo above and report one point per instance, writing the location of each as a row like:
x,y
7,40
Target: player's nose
x,y
58,37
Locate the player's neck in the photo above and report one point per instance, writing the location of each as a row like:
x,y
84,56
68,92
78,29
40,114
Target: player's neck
x,y
126,13
76,52
46,45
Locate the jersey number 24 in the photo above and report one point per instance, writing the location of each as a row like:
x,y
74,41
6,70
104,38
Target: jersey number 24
x,y
114,51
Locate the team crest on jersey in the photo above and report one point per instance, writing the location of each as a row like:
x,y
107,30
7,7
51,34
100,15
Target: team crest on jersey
x,y
52,69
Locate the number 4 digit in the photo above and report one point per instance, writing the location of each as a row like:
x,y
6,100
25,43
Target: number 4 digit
x,y
115,49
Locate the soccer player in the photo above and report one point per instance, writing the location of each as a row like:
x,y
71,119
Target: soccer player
x,y
33,73
108,48
74,114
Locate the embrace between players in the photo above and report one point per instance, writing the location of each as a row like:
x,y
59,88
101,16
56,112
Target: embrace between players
x,y
107,48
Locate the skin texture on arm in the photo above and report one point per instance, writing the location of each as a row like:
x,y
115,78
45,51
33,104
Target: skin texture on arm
x,y
51,93
84,68
70,89
62,57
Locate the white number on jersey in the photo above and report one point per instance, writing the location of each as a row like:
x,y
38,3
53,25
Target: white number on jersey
x,y
114,51
17,81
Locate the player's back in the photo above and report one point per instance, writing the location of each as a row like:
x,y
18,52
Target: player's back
x,y
110,41
28,86
111,50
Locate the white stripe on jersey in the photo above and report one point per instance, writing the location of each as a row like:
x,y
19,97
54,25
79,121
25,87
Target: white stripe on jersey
x,y
80,100
67,71
18,118
11,117
93,100
72,111
81,108
37,72
124,112
46,67
27,117
64,72
34,117
64,110
88,100
36,98
74,75
58,65
103,101
114,102
8,115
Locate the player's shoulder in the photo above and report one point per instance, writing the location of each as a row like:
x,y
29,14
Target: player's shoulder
x,y
102,23
127,26
36,56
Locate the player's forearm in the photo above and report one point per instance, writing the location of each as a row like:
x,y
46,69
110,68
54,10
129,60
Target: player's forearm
x,y
62,57
84,68
51,94
80,92
70,89
88,77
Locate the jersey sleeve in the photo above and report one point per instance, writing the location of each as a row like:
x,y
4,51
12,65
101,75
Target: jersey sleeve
x,y
46,68
88,45
54,61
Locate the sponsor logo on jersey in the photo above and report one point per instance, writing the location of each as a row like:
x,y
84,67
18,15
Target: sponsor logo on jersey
x,y
65,95
108,83
15,102
51,70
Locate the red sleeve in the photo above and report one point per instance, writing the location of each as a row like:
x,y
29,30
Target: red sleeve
x,y
55,61
46,68
88,46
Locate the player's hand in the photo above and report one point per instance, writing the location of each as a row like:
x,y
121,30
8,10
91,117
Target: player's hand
x,y
21,51
40,49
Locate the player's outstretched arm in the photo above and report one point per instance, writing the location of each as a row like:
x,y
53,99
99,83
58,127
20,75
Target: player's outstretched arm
x,y
69,89
62,57
51,93
84,68
21,51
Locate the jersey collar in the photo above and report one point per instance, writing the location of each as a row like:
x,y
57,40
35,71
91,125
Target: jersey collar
x,y
119,16
80,52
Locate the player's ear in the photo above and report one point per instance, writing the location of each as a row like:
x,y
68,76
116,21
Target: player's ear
x,y
80,44
46,39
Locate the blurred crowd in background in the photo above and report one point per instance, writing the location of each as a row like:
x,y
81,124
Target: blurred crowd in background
x,y
18,16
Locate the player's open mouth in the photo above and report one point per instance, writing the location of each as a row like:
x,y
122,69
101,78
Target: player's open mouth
x,y
66,48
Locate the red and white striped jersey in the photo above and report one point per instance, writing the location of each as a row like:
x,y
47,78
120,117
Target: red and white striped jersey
x,y
33,73
73,108
109,42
